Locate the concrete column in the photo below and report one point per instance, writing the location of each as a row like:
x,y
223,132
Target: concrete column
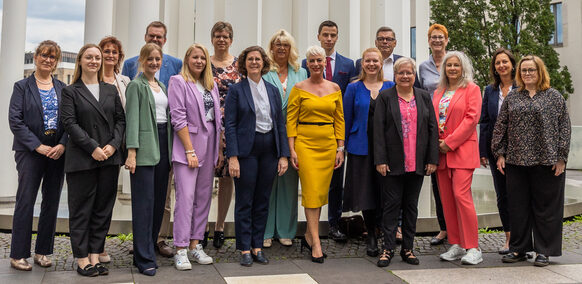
x,y
121,23
12,58
346,14
186,27
98,20
366,29
172,20
205,19
141,13
245,17
276,14
396,15
307,15
422,20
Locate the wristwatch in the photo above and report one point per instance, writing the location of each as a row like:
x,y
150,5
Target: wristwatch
x,y
340,149
191,152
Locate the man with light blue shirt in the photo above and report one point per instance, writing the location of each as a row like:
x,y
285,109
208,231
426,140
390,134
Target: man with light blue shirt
x,y
156,33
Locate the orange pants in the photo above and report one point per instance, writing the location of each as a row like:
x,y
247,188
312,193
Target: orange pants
x,y
458,207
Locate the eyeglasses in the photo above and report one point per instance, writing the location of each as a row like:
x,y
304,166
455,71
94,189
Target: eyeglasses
x,y
223,37
528,71
437,38
282,45
47,56
388,39
404,73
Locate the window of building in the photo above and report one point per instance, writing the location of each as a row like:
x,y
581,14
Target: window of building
x,y
557,38
69,79
413,43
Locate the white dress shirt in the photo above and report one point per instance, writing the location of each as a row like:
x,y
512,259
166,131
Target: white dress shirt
x,y
388,67
262,106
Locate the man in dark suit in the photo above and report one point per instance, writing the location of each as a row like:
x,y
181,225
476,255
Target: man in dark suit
x,y
340,70
386,42
156,33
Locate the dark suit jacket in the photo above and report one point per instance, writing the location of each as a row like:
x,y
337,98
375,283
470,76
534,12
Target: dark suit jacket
x,y
343,72
388,142
488,118
91,124
396,57
25,115
240,120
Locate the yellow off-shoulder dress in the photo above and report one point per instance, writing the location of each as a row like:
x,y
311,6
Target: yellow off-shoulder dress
x,y
315,145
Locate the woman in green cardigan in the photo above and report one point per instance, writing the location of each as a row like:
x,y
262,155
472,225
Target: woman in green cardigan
x,y
148,157
285,72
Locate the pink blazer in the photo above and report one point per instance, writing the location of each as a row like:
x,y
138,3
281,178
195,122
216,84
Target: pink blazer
x,y
187,109
461,127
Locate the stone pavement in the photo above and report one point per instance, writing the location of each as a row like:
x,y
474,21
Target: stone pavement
x,y
347,263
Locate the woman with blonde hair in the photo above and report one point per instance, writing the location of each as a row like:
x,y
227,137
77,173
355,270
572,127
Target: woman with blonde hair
x,y
195,113
285,72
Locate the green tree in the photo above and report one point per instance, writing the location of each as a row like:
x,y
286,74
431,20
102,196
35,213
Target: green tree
x,y
478,27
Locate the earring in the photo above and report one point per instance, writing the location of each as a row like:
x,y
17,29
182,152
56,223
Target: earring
x,y
495,72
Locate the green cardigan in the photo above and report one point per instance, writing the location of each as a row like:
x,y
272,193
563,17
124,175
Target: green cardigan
x,y
141,130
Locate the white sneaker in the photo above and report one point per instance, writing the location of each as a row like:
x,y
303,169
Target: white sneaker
x,y
200,256
181,260
455,252
473,256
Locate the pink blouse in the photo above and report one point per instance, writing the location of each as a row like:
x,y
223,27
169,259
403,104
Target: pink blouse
x,y
408,116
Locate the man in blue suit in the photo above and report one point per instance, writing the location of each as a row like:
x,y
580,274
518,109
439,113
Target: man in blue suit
x,y
340,70
386,42
156,33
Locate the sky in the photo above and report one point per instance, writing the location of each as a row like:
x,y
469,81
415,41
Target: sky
x,y
58,20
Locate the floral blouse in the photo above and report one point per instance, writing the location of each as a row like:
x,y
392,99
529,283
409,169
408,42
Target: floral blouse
x,y
532,131
50,108
224,78
443,106
408,115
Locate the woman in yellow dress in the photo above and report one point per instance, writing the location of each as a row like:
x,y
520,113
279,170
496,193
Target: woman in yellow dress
x,y
315,127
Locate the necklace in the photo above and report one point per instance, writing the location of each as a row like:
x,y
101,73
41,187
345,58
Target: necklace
x,y
41,82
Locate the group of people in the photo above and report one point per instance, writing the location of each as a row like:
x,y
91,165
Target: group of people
x,y
265,123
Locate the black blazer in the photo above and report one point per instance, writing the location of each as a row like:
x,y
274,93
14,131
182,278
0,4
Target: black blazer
x,y
25,116
91,124
388,143
489,114
240,120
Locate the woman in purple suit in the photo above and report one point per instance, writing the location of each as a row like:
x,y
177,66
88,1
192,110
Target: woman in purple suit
x,y
195,116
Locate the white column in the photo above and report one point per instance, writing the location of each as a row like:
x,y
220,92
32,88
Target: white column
x,y
396,15
307,15
422,20
185,34
11,70
98,20
121,23
366,29
276,14
141,14
172,22
245,16
346,14
205,19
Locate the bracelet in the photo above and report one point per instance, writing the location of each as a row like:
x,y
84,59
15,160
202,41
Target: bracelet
x,y
191,152
340,149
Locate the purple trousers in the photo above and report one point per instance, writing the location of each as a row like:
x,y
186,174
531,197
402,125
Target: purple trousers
x,y
194,193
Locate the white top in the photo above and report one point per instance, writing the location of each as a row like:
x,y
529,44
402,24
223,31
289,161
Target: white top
x,y
94,89
161,105
388,67
501,98
332,63
262,106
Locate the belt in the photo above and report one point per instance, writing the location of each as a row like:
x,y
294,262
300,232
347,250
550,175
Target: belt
x,y
50,132
315,123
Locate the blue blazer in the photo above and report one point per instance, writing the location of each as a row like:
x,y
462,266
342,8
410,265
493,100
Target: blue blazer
x,y
396,57
356,108
170,67
343,72
489,114
240,120
25,115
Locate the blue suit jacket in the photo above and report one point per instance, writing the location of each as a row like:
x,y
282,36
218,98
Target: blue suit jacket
x,y
356,108
396,57
343,72
240,120
25,115
170,67
489,114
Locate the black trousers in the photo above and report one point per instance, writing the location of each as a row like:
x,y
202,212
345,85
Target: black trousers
x,y
335,197
500,184
437,202
253,190
91,196
32,168
149,185
536,206
400,193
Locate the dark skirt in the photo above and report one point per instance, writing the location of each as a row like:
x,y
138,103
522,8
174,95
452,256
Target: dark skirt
x,y
361,190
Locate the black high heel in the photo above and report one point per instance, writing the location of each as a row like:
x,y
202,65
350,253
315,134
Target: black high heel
x,y
305,244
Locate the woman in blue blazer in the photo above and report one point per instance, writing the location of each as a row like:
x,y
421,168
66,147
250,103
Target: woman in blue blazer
x,y
39,143
361,191
257,147
501,72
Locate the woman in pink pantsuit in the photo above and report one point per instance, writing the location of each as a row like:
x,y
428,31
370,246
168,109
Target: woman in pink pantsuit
x,y
195,116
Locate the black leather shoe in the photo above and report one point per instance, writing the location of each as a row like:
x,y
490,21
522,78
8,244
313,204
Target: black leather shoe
x,y
385,258
513,257
89,271
436,241
542,260
101,269
336,235
372,245
260,257
246,259
503,251
218,239
204,241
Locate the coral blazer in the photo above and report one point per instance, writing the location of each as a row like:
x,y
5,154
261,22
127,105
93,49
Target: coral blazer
x,y
460,131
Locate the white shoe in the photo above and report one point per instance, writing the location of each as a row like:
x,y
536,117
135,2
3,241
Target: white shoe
x,y
473,256
200,256
455,252
181,260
